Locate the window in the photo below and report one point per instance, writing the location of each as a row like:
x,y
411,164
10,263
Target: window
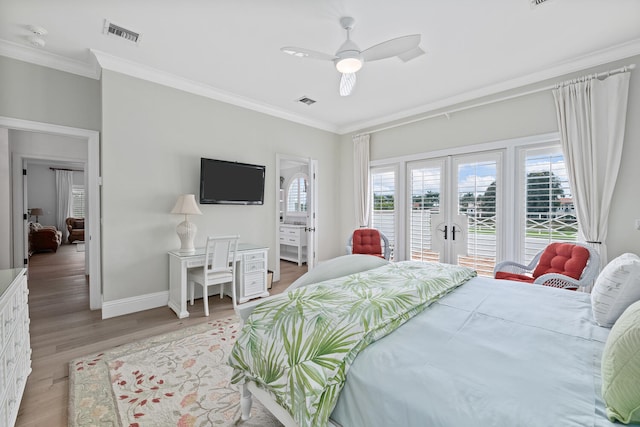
x,y
78,208
383,215
297,194
510,199
548,212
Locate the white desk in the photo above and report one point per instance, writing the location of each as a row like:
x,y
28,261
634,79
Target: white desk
x,y
251,275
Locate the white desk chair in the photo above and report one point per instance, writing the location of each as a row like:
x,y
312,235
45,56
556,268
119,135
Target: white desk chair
x,y
217,269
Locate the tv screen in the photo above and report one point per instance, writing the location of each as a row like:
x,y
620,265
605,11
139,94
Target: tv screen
x,y
231,183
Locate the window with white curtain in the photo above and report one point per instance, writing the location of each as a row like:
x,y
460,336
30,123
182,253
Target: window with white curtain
x,y
78,196
547,212
384,209
536,209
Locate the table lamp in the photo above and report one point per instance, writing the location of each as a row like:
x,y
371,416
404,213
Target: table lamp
x,y
36,212
186,205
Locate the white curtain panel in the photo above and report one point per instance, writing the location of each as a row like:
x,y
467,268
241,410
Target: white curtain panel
x,y
591,118
64,200
361,179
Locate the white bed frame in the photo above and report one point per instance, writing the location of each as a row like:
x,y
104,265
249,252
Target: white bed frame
x,y
336,267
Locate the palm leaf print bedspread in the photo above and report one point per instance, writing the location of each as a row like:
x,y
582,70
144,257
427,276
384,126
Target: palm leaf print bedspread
x,y
300,344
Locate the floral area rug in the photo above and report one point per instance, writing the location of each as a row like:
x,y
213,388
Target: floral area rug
x,y
177,379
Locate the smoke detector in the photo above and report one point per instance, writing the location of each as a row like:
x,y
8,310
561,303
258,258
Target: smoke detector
x,y
36,41
112,29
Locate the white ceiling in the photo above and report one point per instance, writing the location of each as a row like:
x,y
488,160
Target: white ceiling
x,y
230,50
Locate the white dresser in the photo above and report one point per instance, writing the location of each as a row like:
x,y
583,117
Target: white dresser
x,y
293,243
15,354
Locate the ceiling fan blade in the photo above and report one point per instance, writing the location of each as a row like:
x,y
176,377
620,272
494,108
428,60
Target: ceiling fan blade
x,y
306,53
410,54
347,82
393,47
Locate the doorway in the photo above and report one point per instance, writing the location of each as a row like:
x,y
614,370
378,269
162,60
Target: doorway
x,y
92,180
454,210
296,218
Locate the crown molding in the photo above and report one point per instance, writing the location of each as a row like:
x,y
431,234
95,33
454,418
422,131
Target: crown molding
x,y
48,59
604,56
134,69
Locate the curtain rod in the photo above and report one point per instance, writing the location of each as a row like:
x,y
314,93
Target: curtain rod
x,y
493,101
63,169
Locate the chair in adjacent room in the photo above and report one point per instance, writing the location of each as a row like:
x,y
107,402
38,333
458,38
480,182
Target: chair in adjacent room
x,y
219,268
560,265
75,226
369,241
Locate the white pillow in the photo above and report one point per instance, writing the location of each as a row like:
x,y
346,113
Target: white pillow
x,y
616,288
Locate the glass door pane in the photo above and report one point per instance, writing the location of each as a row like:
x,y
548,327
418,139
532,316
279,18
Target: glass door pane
x,y
476,198
425,189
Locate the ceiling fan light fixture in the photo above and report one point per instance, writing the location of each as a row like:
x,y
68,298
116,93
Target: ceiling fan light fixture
x,y
349,62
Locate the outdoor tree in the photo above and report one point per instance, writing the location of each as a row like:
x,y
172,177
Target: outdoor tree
x,y
427,200
544,191
383,202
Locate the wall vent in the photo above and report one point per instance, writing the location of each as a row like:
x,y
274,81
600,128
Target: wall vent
x,y
112,29
535,3
306,100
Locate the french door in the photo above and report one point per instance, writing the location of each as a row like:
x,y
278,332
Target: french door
x,y
453,210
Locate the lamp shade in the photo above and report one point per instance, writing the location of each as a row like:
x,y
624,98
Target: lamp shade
x,y
37,211
186,205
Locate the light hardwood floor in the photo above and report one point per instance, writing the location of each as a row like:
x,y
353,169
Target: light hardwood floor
x,y
63,328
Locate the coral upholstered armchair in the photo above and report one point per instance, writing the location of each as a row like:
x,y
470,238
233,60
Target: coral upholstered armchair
x,y
561,265
369,241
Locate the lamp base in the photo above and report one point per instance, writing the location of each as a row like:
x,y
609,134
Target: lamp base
x,y
186,232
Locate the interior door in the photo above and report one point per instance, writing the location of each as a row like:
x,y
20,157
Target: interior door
x,y
312,198
25,210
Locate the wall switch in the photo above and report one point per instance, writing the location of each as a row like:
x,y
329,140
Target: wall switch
x,y
637,224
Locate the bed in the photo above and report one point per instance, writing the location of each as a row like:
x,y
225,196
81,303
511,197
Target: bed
x,y
485,352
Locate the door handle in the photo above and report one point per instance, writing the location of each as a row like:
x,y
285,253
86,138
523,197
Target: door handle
x,y
445,231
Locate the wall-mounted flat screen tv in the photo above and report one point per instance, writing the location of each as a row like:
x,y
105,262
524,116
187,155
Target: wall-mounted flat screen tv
x,y
231,183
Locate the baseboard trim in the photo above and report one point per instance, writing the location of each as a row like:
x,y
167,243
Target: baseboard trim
x,y
124,306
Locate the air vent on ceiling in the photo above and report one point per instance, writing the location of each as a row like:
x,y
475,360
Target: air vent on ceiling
x,y
535,3
112,29
306,100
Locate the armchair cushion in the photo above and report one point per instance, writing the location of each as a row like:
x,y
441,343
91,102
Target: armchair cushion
x,y
562,258
367,241
514,276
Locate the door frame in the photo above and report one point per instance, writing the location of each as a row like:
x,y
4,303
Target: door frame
x,y
93,182
312,175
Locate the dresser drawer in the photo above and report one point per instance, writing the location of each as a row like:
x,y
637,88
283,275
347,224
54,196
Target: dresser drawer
x,y
253,256
254,284
291,240
254,267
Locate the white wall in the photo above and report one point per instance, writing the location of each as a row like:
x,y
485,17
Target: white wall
x,y
152,140
524,116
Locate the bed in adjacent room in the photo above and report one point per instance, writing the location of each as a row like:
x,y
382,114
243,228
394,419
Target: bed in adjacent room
x,y
478,352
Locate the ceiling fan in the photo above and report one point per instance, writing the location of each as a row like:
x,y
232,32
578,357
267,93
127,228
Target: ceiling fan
x,y
349,58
